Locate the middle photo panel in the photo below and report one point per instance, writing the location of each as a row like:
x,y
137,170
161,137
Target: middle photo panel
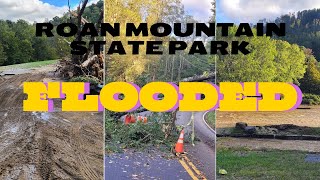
x,y
159,67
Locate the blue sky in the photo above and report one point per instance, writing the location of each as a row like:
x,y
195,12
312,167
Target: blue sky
x,y
221,17
61,3
39,10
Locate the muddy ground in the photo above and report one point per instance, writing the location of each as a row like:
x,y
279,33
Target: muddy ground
x,y
263,144
300,117
35,145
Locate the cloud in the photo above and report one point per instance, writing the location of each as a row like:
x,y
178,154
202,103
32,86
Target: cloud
x,y
200,9
255,10
31,10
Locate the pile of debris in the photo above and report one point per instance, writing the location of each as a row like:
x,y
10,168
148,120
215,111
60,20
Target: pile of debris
x,y
92,67
88,65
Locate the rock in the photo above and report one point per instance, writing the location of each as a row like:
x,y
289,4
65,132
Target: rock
x,y
273,130
286,126
266,130
250,129
241,125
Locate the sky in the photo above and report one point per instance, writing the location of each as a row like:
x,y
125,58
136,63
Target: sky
x,y
35,10
251,11
39,10
227,10
200,9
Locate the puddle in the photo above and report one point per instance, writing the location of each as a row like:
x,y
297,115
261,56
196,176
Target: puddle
x,y
42,116
12,72
14,130
313,158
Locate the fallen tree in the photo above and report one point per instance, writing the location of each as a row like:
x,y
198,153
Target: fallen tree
x,y
89,64
170,127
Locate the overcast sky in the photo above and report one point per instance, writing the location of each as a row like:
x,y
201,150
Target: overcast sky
x,y
227,10
255,10
39,10
200,9
34,10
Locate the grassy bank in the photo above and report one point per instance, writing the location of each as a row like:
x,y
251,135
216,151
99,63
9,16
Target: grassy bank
x,y
211,119
28,65
266,164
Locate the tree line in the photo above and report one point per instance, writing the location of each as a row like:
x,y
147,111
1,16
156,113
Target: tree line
x,y
303,28
19,44
292,58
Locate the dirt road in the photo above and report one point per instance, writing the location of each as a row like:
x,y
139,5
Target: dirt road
x,y
35,145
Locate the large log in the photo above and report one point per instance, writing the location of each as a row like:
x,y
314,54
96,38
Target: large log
x,y
200,78
90,61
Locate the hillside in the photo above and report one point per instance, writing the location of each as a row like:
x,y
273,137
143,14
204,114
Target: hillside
x,y
303,28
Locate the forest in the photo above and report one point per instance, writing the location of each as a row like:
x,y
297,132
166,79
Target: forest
x,y
19,44
291,58
142,68
303,28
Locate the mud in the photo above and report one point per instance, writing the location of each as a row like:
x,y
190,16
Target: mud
x,y
35,145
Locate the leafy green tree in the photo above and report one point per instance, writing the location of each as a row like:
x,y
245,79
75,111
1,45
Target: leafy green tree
x,y
3,56
289,60
310,83
256,66
269,60
18,43
43,50
26,52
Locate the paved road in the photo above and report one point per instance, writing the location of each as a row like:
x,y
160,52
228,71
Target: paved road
x,y
138,165
203,153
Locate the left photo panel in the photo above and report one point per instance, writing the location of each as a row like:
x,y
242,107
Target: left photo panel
x,y
47,131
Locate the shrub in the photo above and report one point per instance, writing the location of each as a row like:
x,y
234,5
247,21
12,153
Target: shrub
x,y
92,80
311,99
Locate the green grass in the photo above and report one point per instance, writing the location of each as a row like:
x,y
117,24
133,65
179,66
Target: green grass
x,y
28,65
269,164
211,119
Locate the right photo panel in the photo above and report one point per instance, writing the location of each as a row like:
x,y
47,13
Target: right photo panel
x,y
268,121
